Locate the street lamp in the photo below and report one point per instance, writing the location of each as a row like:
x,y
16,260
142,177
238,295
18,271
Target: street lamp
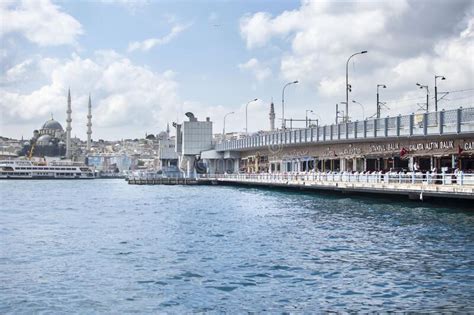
x,y
246,117
223,130
283,125
378,100
339,113
310,111
436,90
348,87
362,106
427,95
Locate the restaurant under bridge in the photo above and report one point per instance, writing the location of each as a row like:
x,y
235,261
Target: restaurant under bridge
x,y
439,141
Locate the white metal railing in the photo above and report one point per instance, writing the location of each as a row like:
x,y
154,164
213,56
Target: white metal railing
x,y
459,178
455,121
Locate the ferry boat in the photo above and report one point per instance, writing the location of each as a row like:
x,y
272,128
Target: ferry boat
x,y
24,169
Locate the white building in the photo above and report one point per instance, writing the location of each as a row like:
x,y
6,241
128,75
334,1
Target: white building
x,y
192,137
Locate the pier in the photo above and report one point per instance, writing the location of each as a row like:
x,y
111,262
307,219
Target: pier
x,y
163,181
415,186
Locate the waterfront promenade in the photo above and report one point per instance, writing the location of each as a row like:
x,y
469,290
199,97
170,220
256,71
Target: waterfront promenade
x,y
415,186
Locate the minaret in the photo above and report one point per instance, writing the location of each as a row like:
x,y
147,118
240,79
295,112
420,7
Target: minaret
x,y
68,127
272,117
168,130
89,124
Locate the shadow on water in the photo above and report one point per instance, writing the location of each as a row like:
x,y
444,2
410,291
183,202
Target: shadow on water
x,y
438,204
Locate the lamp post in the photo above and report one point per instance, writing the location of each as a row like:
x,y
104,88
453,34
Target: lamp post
x,y
347,83
310,111
436,90
246,116
427,95
223,130
378,99
283,103
362,106
339,113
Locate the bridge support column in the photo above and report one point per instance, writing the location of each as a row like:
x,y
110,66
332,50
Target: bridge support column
x,y
188,169
236,166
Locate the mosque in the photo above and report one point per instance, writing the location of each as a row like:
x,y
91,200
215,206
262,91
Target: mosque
x,y
52,140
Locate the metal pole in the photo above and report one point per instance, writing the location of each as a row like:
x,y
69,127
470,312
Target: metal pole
x,y
283,108
246,119
436,90
347,83
378,103
347,89
246,116
311,111
427,95
378,99
363,109
283,125
427,100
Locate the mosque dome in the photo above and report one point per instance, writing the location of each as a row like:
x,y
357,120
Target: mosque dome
x,y
44,139
53,125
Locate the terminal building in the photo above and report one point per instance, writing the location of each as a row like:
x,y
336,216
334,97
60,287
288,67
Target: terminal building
x,y
192,138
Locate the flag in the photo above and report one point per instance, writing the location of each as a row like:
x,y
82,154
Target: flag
x,y
460,150
403,152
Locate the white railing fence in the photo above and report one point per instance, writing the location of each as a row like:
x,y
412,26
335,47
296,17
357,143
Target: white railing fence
x,y
459,178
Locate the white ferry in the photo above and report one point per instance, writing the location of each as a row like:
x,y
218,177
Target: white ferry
x,y
24,169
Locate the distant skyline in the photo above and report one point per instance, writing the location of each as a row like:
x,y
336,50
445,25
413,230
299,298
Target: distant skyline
x,y
146,63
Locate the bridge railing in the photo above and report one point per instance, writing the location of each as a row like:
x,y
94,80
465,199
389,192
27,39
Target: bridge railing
x,y
459,178
454,121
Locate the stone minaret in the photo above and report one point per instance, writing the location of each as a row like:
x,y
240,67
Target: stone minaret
x,y
68,127
89,124
168,130
272,117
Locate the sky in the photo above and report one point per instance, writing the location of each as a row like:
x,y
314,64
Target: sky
x,y
145,63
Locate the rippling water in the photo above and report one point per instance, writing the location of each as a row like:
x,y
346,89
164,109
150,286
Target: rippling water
x,y
104,246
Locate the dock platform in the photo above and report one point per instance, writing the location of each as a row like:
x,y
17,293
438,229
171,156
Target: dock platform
x,y
413,188
165,181
418,191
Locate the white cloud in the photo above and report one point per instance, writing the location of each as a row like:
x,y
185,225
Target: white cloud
x,y
256,68
40,21
132,5
152,42
316,39
127,98
18,72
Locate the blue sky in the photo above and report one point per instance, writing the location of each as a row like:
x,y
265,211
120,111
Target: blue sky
x,y
147,62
